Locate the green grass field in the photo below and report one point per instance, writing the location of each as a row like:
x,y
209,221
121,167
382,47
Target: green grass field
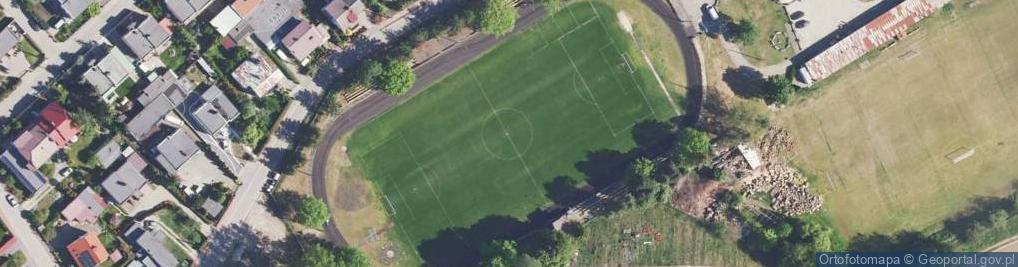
x,y
768,17
486,139
879,138
666,238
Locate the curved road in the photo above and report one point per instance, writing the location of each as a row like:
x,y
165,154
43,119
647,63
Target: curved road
x,y
437,68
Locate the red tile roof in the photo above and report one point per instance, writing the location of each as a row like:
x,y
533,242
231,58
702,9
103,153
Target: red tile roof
x,y
245,7
88,250
56,122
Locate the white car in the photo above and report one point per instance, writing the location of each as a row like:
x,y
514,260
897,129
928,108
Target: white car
x,y
66,171
12,201
274,175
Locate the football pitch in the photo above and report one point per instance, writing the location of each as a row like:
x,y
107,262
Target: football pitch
x,y
487,139
888,141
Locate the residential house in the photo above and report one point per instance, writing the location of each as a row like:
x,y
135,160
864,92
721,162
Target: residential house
x,y
85,208
257,75
88,250
161,96
71,9
108,154
111,71
153,244
346,15
30,178
264,19
212,207
12,60
303,39
126,180
184,10
148,36
175,150
226,20
51,133
213,111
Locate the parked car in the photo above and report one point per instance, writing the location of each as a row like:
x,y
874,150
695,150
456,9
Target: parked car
x,y
12,201
269,185
274,175
66,171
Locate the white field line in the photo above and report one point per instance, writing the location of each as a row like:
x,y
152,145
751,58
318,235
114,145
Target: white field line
x,y
646,58
405,202
639,88
424,174
505,130
591,93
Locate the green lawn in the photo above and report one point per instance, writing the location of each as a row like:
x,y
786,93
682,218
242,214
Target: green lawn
x,y
487,139
667,238
769,18
174,56
182,225
124,89
32,53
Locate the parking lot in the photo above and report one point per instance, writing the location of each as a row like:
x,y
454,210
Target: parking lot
x,y
823,17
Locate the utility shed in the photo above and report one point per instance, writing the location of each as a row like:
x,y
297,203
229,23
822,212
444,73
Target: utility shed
x,y
750,155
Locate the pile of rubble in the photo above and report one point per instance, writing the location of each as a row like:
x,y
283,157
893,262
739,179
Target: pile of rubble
x,y
788,189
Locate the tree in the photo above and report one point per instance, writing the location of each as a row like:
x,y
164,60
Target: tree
x,y
498,17
743,32
313,212
778,89
317,255
999,219
349,257
368,72
551,248
500,253
16,259
693,147
397,78
640,170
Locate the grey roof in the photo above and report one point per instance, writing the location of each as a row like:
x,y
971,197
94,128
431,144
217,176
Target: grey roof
x,y
9,37
175,150
126,180
109,72
168,85
148,118
152,243
184,9
73,8
214,110
266,19
109,153
30,179
144,37
212,207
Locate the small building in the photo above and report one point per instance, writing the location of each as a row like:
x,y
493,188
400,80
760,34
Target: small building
x,y
346,15
126,180
214,111
12,60
153,244
303,39
184,10
158,99
225,21
71,9
106,75
148,36
85,208
749,154
108,154
263,19
257,75
175,150
54,131
88,250
212,207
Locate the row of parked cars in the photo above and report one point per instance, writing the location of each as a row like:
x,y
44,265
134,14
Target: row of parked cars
x,y
271,182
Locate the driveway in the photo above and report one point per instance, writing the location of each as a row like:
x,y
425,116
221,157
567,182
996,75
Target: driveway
x,y
35,250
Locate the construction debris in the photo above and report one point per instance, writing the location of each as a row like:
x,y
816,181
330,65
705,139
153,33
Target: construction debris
x,y
788,189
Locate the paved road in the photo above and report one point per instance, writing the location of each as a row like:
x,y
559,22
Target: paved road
x,y
252,177
32,82
36,251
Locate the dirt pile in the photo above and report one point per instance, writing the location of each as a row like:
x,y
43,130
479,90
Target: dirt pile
x,y
788,189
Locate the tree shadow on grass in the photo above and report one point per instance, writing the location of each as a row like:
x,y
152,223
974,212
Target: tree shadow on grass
x,y
458,246
744,81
